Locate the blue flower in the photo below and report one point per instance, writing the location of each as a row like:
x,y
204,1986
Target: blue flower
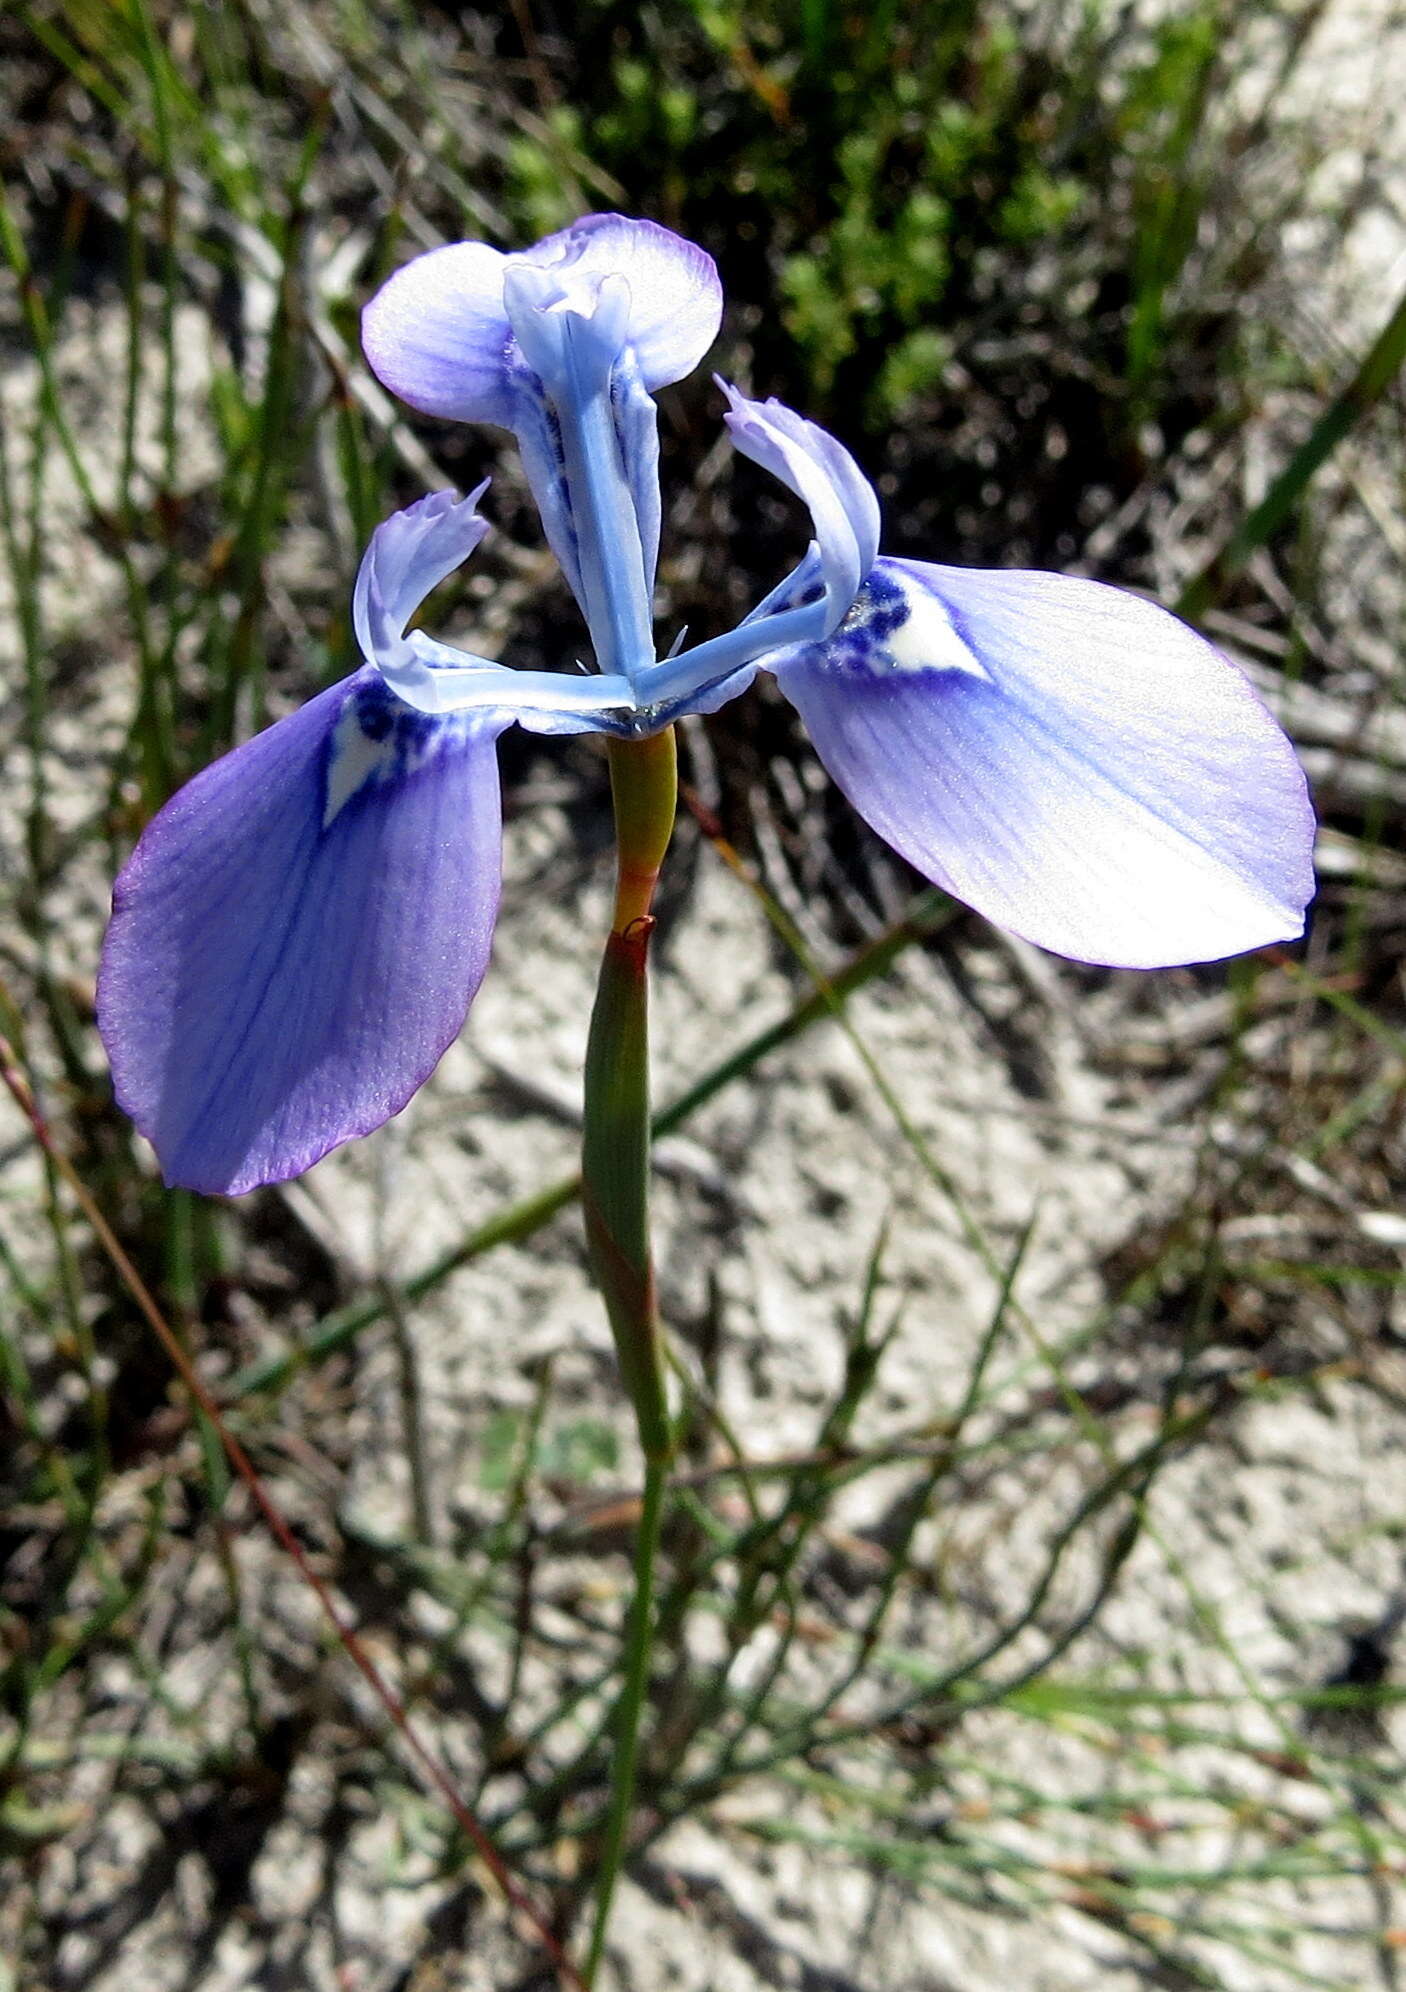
x,y
299,933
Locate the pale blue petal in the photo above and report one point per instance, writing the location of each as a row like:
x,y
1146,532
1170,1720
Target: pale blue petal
x,y
707,675
1069,759
538,435
406,559
711,697
586,467
437,332
824,475
410,554
436,677
637,428
437,335
676,298
562,343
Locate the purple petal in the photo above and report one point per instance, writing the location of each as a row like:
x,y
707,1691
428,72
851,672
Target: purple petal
x,y
436,334
297,937
1070,760
676,298
824,475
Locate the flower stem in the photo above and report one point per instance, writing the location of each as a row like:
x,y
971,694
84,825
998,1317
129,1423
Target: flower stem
x,y
615,1198
615,1142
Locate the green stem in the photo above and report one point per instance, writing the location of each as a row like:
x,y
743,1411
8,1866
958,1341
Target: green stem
x,y
615,1177
615,1200
615,1137
639,1641
928,913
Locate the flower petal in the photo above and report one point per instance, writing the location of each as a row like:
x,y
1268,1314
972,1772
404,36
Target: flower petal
x,y
406,558
705,677
1069,759
436,334
409,555
824,475
436,678
676,298
297,936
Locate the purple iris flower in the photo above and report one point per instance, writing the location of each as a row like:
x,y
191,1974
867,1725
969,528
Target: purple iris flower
x,y
299,933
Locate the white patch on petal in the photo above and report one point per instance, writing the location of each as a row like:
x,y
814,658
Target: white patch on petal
x,y
353,758
927,640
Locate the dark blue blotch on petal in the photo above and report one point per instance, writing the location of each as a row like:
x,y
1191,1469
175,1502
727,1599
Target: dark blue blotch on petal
x,y
862,644
375,709
382,717
298,935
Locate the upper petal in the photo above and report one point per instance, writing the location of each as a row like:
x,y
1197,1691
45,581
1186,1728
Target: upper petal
x,y
298,934
1069,759
436,334
676,297
636,422
823,474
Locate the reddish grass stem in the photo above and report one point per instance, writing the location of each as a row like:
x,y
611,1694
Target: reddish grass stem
x,y
22,1093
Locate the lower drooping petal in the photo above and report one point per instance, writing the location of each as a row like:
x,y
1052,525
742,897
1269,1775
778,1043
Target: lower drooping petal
x,y
297,936
1072,761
